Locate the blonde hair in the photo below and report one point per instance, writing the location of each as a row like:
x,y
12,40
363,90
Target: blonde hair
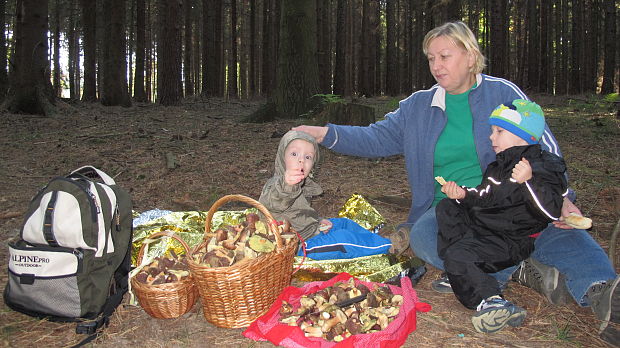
x,y
460,34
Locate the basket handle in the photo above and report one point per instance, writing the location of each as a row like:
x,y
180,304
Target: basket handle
x,y
271,222
166,233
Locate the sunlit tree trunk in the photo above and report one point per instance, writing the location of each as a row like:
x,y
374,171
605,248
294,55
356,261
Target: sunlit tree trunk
x,y
138,85
4,77
187,53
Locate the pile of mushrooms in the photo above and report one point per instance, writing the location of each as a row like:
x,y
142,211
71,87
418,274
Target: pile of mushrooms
x,y
164,270
247,240
334,314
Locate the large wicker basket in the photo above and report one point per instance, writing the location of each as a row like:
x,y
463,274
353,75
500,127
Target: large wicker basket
x,y
234,296
169,300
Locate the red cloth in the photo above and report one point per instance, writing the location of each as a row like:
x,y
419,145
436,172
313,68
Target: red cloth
x,y
269,328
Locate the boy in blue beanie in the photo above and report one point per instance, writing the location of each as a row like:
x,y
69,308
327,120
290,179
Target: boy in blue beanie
x,y
493,226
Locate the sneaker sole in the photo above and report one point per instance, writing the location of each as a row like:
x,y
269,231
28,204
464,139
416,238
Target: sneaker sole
x,y
492,319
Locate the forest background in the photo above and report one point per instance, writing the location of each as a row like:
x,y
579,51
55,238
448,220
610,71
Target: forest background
x,y
156,93
119,51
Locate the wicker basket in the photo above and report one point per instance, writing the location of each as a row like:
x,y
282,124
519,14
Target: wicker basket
x,y
169,300
234,296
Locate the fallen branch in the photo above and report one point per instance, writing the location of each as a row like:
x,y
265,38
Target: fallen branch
x,y
9,215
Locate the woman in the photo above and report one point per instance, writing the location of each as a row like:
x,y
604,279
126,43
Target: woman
x,y
444,131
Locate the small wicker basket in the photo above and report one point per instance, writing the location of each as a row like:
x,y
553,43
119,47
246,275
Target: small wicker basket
x,y
234,296
169,300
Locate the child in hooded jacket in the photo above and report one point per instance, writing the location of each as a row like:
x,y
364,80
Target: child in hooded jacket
x,y
493,226
287,196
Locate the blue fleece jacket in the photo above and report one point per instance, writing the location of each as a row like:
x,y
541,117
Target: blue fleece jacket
x,y
413,129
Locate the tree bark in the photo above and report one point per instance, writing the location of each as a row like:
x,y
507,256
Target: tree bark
x,y
187,56
297,78
89,15
498,45
611,47
4,76
212,50
114,91
57,69
169,85
233,82
340,69
138,85
31,90
391,59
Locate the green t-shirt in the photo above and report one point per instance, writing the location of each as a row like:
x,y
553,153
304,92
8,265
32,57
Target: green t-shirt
x,y
456,158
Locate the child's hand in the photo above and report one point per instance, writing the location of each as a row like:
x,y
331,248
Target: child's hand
x,y
325,225
522,171
293,176
453,191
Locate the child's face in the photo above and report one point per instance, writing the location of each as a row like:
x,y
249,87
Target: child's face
x,y
299,156
502,139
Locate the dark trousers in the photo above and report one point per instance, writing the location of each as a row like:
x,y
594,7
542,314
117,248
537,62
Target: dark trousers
x,y
471,253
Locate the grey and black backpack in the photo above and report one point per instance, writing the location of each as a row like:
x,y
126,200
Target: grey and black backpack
x,y
73,255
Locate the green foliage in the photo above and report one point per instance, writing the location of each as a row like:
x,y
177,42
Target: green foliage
x,y
612,97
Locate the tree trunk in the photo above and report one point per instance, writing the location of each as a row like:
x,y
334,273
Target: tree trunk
x,y
212,50
31,90
367,54
253,58
148,68
57,69
498,59
138,84
187,56
340,68
577,43
114,91
169,87
611,47
391,59
297,78
4,77
89,15
533,46
233,91
546,44
323,47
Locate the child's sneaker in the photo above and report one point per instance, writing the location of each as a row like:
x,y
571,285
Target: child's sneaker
x,y
442,284
494,313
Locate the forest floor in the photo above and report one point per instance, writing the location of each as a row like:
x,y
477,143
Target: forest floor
x,y
215,154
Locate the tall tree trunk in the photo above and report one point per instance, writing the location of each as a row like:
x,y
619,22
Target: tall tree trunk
x,y
546,44
212,50
253,58
297,78
233,91
322,42
611,47
4,76
31,90
591,35
533,46
130,46
187,56
169,87
57,69
149,66
340,68
89,15
577,47
391,59
367,54
139,93
498,59
114,91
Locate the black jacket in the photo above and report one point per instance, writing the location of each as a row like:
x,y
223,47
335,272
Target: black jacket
x,y
500,206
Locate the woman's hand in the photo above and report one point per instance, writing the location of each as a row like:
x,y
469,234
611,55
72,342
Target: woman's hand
x,y
522,171
315,131
453,191
567,208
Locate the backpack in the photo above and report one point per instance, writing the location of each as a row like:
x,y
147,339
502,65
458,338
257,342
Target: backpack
x,y
73,255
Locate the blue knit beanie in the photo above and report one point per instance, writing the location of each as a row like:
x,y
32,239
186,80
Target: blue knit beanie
x,y
522,118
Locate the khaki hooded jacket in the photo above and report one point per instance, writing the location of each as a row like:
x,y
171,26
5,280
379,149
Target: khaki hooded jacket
x,y
292,202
